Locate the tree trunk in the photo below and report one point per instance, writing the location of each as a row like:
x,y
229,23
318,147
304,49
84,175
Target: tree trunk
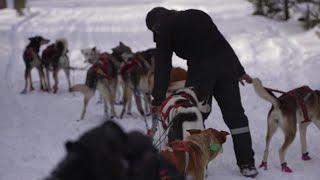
x,y
3,4
259,8
286,10
307,21
19,5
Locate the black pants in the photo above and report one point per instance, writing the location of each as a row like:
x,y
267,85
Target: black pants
x,y
210,80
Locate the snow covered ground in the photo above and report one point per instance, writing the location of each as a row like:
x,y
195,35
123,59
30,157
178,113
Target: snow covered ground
x,y
34,127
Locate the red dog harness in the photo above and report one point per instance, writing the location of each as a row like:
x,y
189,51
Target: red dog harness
x,y
300,100
181,146
129,66
101,67
187,101
49,52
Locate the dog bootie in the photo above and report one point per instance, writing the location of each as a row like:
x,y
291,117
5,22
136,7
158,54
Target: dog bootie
x,y
306,156
285,168
248,171
264,165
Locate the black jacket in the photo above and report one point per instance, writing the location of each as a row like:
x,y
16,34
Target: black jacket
x,y
193,36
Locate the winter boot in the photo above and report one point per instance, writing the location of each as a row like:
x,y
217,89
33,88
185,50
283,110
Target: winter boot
x,y
248,171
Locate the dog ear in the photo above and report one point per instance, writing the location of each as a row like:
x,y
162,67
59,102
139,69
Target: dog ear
x,y
121,43
222,136
94,49
31,38
194,131
225,133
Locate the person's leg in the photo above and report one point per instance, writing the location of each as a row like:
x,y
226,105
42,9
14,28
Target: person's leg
x,y
226,92
202,78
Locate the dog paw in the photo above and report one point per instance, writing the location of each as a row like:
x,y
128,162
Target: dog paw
x,y
118,103
285,168
264,165
23,91
306,157
130,115
99,102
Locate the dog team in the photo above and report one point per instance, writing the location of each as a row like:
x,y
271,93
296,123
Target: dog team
x,y
189,147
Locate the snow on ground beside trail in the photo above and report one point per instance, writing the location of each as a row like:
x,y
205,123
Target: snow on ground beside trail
x,y
34,127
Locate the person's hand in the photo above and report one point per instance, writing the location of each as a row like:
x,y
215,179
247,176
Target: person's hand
x,y
245,77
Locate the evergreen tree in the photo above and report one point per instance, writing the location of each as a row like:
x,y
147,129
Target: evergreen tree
x,y
3,4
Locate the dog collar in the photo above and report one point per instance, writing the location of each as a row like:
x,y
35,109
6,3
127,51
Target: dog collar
x,y
214,147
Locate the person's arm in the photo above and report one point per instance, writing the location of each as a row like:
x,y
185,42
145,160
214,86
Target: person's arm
x,y
238,67
162,66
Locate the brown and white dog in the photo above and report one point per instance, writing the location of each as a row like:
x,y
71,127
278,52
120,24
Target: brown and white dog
x,y
178,77
101,76
32,59
286,112
192,155
137,78
54,58
137,74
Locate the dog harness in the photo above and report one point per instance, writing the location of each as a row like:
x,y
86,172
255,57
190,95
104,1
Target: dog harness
x,y
101,67
48,53
300,100
129,66
173,102
181,146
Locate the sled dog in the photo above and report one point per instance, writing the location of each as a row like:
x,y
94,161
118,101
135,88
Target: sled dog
x,y
286,112
32,59
101,76
192,155
54,58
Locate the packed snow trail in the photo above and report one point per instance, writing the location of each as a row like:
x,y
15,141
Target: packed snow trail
x,y
34,127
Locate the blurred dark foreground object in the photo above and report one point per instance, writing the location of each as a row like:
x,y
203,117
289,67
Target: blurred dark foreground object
x,y
107,153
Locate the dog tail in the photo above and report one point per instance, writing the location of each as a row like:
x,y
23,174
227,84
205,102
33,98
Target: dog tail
x,y
64,44
264,94
189,118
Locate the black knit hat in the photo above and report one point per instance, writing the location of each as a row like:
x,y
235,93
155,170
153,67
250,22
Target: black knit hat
x,y
155,15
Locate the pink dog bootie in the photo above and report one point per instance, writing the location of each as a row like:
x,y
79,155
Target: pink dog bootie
x,y
285,168
264,165
306,156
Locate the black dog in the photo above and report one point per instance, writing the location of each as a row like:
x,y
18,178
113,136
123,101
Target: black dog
x,y
32,59
107,153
